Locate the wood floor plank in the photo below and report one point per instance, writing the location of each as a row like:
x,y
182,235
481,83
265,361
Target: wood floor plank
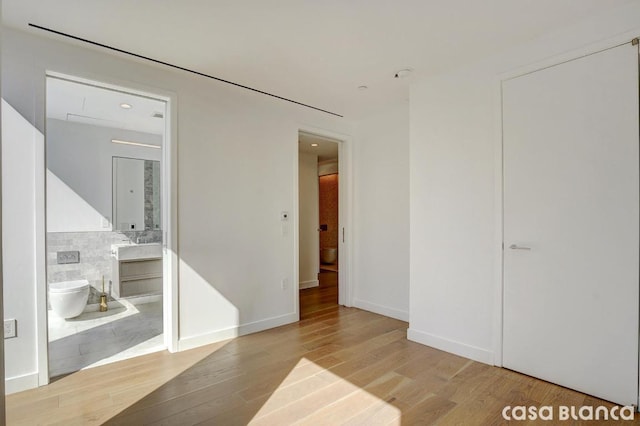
x,y
195,414
336,366
308,404
479,411
428,411
353,405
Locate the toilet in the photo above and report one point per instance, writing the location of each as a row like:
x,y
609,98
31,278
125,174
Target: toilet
x,y
68,298
328,255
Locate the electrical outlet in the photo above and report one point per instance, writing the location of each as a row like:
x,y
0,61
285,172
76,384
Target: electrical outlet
x,y
9,328
284,284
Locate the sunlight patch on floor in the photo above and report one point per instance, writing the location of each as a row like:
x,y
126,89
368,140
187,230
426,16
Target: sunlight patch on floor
x,y
311,394
60,328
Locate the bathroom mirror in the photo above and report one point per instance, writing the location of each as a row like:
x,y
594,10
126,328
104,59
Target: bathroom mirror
x,y
136,194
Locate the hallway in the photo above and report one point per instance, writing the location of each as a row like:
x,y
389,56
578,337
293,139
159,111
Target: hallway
x,y
322,299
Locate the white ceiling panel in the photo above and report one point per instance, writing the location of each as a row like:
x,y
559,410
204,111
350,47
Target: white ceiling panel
x,y
82,103
315,52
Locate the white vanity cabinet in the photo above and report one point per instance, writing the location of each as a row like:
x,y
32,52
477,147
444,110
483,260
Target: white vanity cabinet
x,y
136,270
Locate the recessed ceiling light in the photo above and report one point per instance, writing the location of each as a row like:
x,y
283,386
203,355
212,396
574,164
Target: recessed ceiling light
x,y
363,87
314,144
404,73
125,105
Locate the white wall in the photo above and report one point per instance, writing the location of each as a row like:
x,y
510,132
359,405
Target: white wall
x,y
237,165
455,190
381,204
79,194
309,220
20,141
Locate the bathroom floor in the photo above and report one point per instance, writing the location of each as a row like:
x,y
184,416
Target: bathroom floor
x,y
96,338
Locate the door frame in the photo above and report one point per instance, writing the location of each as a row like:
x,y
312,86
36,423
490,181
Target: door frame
x,y
593,48
169,212
345,209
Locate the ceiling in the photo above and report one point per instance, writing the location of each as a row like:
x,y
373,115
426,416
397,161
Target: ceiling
x,y
327,149
82,103
314,52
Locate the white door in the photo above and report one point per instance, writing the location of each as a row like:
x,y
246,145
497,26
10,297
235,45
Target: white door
x,y
571,218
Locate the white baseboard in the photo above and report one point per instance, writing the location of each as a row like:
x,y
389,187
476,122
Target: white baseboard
x,y
382,310
191,342
309,284
232,332
451,346
265,324
20,383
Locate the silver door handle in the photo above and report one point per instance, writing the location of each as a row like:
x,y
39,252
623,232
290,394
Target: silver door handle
x,y
515,247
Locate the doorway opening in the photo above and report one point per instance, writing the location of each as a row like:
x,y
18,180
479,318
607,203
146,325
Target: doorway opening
x,y
106,219
319,224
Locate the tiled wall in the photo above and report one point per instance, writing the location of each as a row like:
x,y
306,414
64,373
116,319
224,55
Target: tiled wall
x,y
95,255
151,194
329,210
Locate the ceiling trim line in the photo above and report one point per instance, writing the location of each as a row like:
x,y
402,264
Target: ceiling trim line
x,y
157,61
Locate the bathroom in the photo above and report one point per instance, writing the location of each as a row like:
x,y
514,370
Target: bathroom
x,y
104,225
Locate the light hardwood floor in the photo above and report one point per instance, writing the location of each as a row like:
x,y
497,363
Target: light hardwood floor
x,y
336,366
316,300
